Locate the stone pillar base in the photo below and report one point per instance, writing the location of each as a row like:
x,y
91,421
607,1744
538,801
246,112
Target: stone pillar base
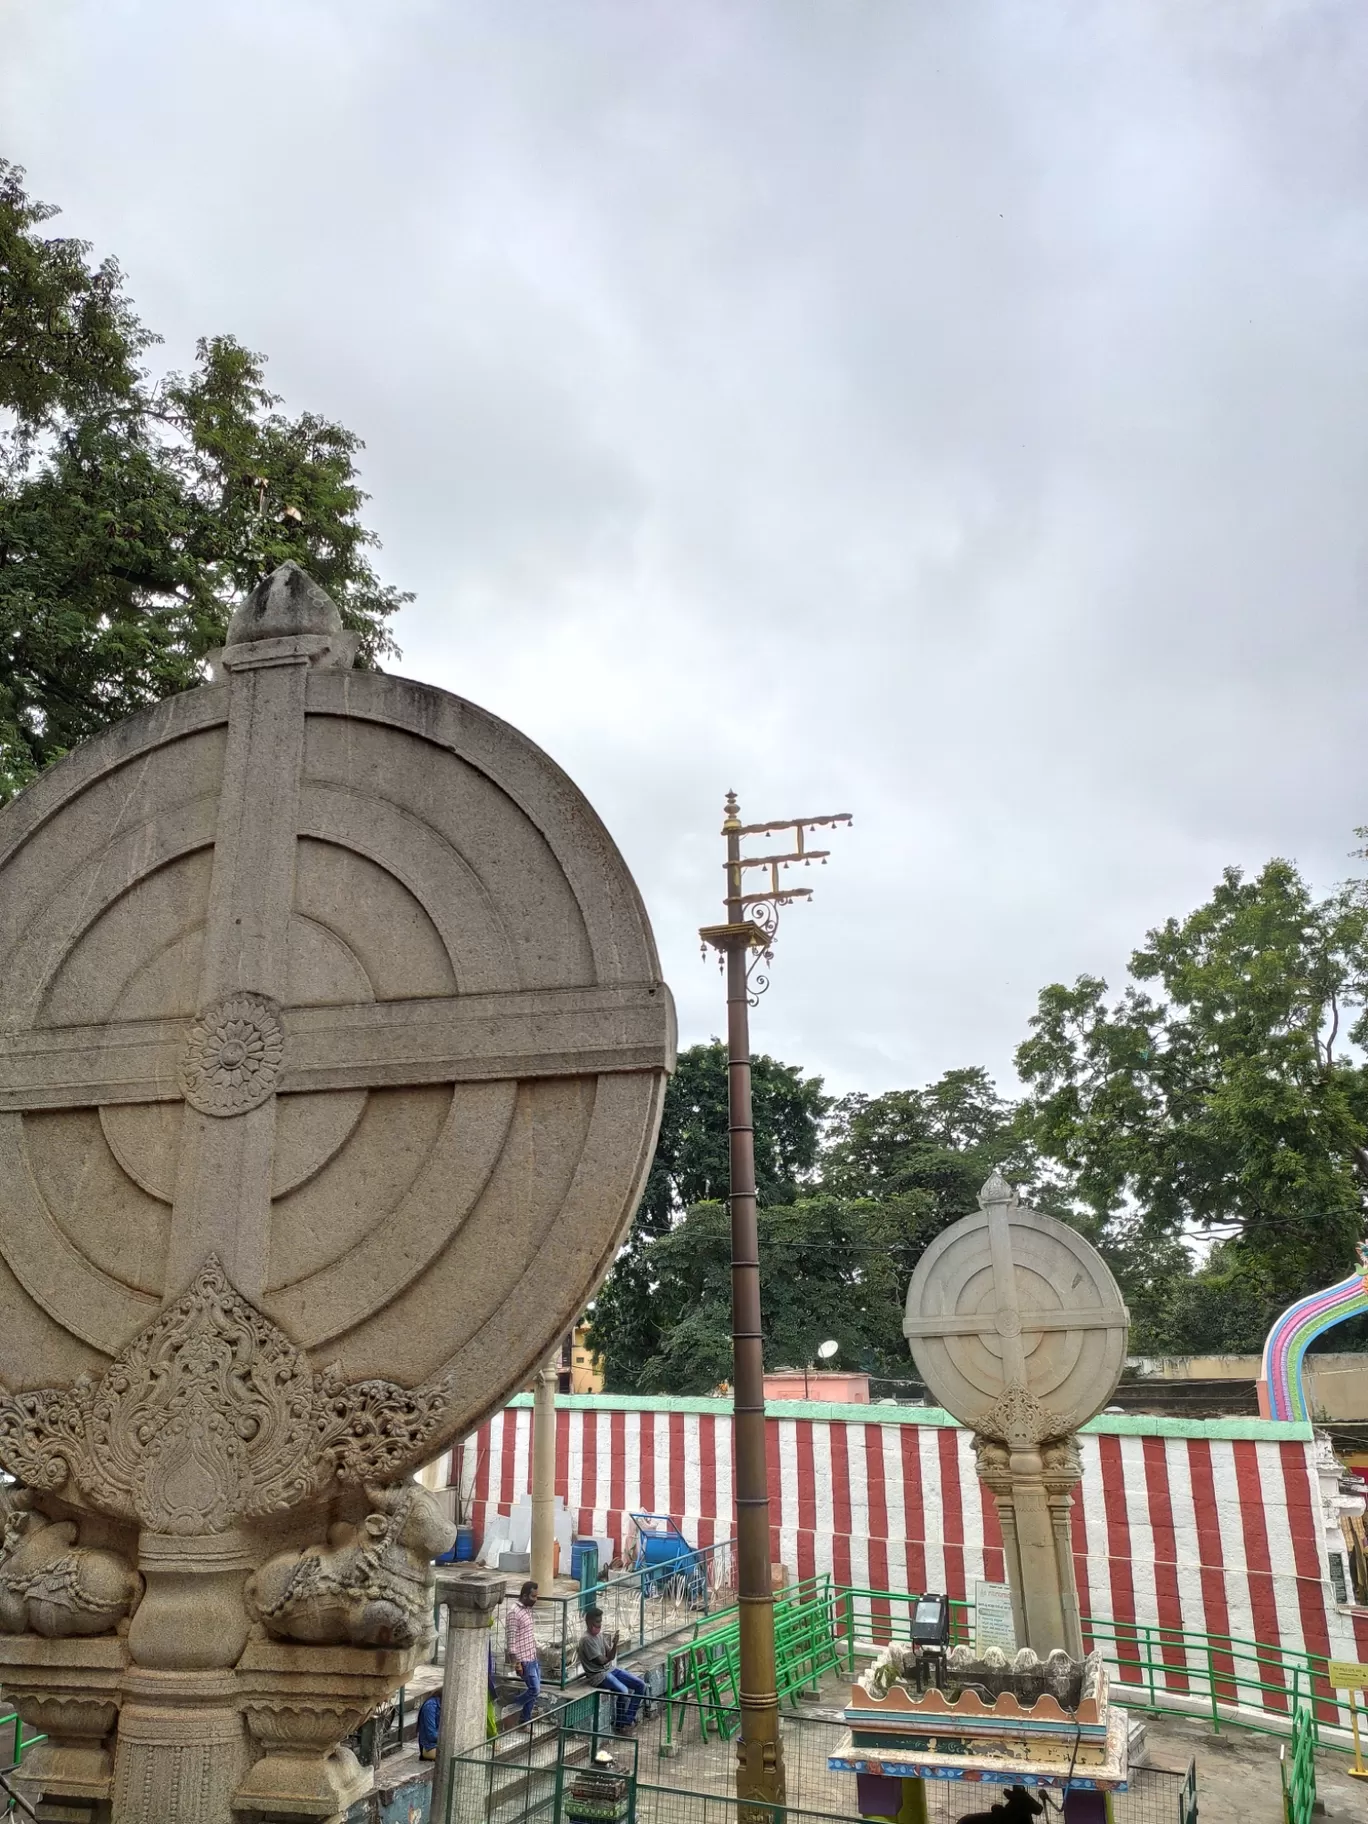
x,y
69,1691
299,1702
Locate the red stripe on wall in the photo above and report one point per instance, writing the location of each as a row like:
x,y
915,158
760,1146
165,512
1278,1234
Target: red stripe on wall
x,y
707,1478
840,1503
1302,1520
877,1488
509,1436
1260,1569
1167,1597
589,1474
807,1479
1215,1612
807,1554
648,1420
677,1466
772,1483
563,1457
1118,1558
914,1521
952,1509
617,1496
994,1560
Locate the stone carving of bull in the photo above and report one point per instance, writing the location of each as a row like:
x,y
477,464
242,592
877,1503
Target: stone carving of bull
x,y
50,1585
370,1588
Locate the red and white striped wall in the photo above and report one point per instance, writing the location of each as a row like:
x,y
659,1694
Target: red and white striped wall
x,y
1216,1527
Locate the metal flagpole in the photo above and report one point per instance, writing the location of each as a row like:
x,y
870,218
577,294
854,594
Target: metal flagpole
x,y
746,938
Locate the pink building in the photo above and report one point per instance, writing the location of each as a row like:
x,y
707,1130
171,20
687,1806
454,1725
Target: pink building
x,y
817,1384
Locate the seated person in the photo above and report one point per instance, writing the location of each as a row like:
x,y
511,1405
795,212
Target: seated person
x,y
596,1655
429,1726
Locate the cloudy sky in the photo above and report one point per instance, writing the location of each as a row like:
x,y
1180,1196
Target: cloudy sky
x,y
949,411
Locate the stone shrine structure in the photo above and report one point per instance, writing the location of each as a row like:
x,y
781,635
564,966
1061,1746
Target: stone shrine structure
x,y
332,1047
1018,1329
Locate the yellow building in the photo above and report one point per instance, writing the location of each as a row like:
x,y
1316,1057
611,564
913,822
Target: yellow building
x,y
580,1369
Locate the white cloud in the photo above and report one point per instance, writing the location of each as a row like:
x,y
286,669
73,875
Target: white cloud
x,y
951,414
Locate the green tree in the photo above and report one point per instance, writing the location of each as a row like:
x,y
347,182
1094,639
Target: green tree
x,y
829,1267
942,1141
841,1228
134,513
1214,1094
690,1167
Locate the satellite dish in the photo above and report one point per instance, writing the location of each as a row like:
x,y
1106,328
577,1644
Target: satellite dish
x,y
826,1350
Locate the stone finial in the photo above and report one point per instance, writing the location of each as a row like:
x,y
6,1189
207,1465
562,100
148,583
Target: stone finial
x,y
996,1190
287,605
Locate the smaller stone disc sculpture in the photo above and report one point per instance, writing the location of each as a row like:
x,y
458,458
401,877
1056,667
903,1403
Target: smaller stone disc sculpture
x,y
1018,1330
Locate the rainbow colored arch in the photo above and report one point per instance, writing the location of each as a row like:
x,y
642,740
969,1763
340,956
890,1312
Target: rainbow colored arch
x,y
1281,1392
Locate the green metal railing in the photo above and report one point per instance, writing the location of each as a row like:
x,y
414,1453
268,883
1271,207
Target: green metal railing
x,y
640,1607
1297,1764
528,1776
15,1744
871,1619
707,1672
1234,1681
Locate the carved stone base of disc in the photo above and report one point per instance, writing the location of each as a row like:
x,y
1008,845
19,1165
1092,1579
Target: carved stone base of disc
x,y
181,1748
299,1703
69,1691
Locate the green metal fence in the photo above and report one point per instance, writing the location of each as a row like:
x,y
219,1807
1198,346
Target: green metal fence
x,y
640,1607
707,1670
536,1774
1218,1676
13,1743
1298,1765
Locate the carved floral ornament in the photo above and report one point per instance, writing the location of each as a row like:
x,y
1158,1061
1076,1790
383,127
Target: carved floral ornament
x,y
1021,1421
211,1416
234,1055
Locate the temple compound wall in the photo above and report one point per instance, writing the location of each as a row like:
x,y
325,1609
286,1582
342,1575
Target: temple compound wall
x,y
1214,1526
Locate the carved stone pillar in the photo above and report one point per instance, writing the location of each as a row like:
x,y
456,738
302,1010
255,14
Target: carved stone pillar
x,y
1063,1471
1032,1486
1019,1330
299,1703
994,1469
68,1690
181,1747
471,1599
211,1431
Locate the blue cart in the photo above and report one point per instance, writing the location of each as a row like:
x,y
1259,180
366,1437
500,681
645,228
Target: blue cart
x,y
663,1554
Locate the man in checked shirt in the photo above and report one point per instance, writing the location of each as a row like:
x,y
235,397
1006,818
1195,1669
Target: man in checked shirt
x,y
521,1646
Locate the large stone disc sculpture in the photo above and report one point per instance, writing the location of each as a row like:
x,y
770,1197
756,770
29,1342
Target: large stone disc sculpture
x,y
1018,1329
332,1045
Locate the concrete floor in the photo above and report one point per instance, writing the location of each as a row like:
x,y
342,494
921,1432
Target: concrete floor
x,y
1237,1773
1238,1780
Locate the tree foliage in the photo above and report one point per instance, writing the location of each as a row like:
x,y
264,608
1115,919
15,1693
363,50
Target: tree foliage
x,y
1219,1097
830,1267
1215,1093
846,1209
134,513
942,1141
691,1167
